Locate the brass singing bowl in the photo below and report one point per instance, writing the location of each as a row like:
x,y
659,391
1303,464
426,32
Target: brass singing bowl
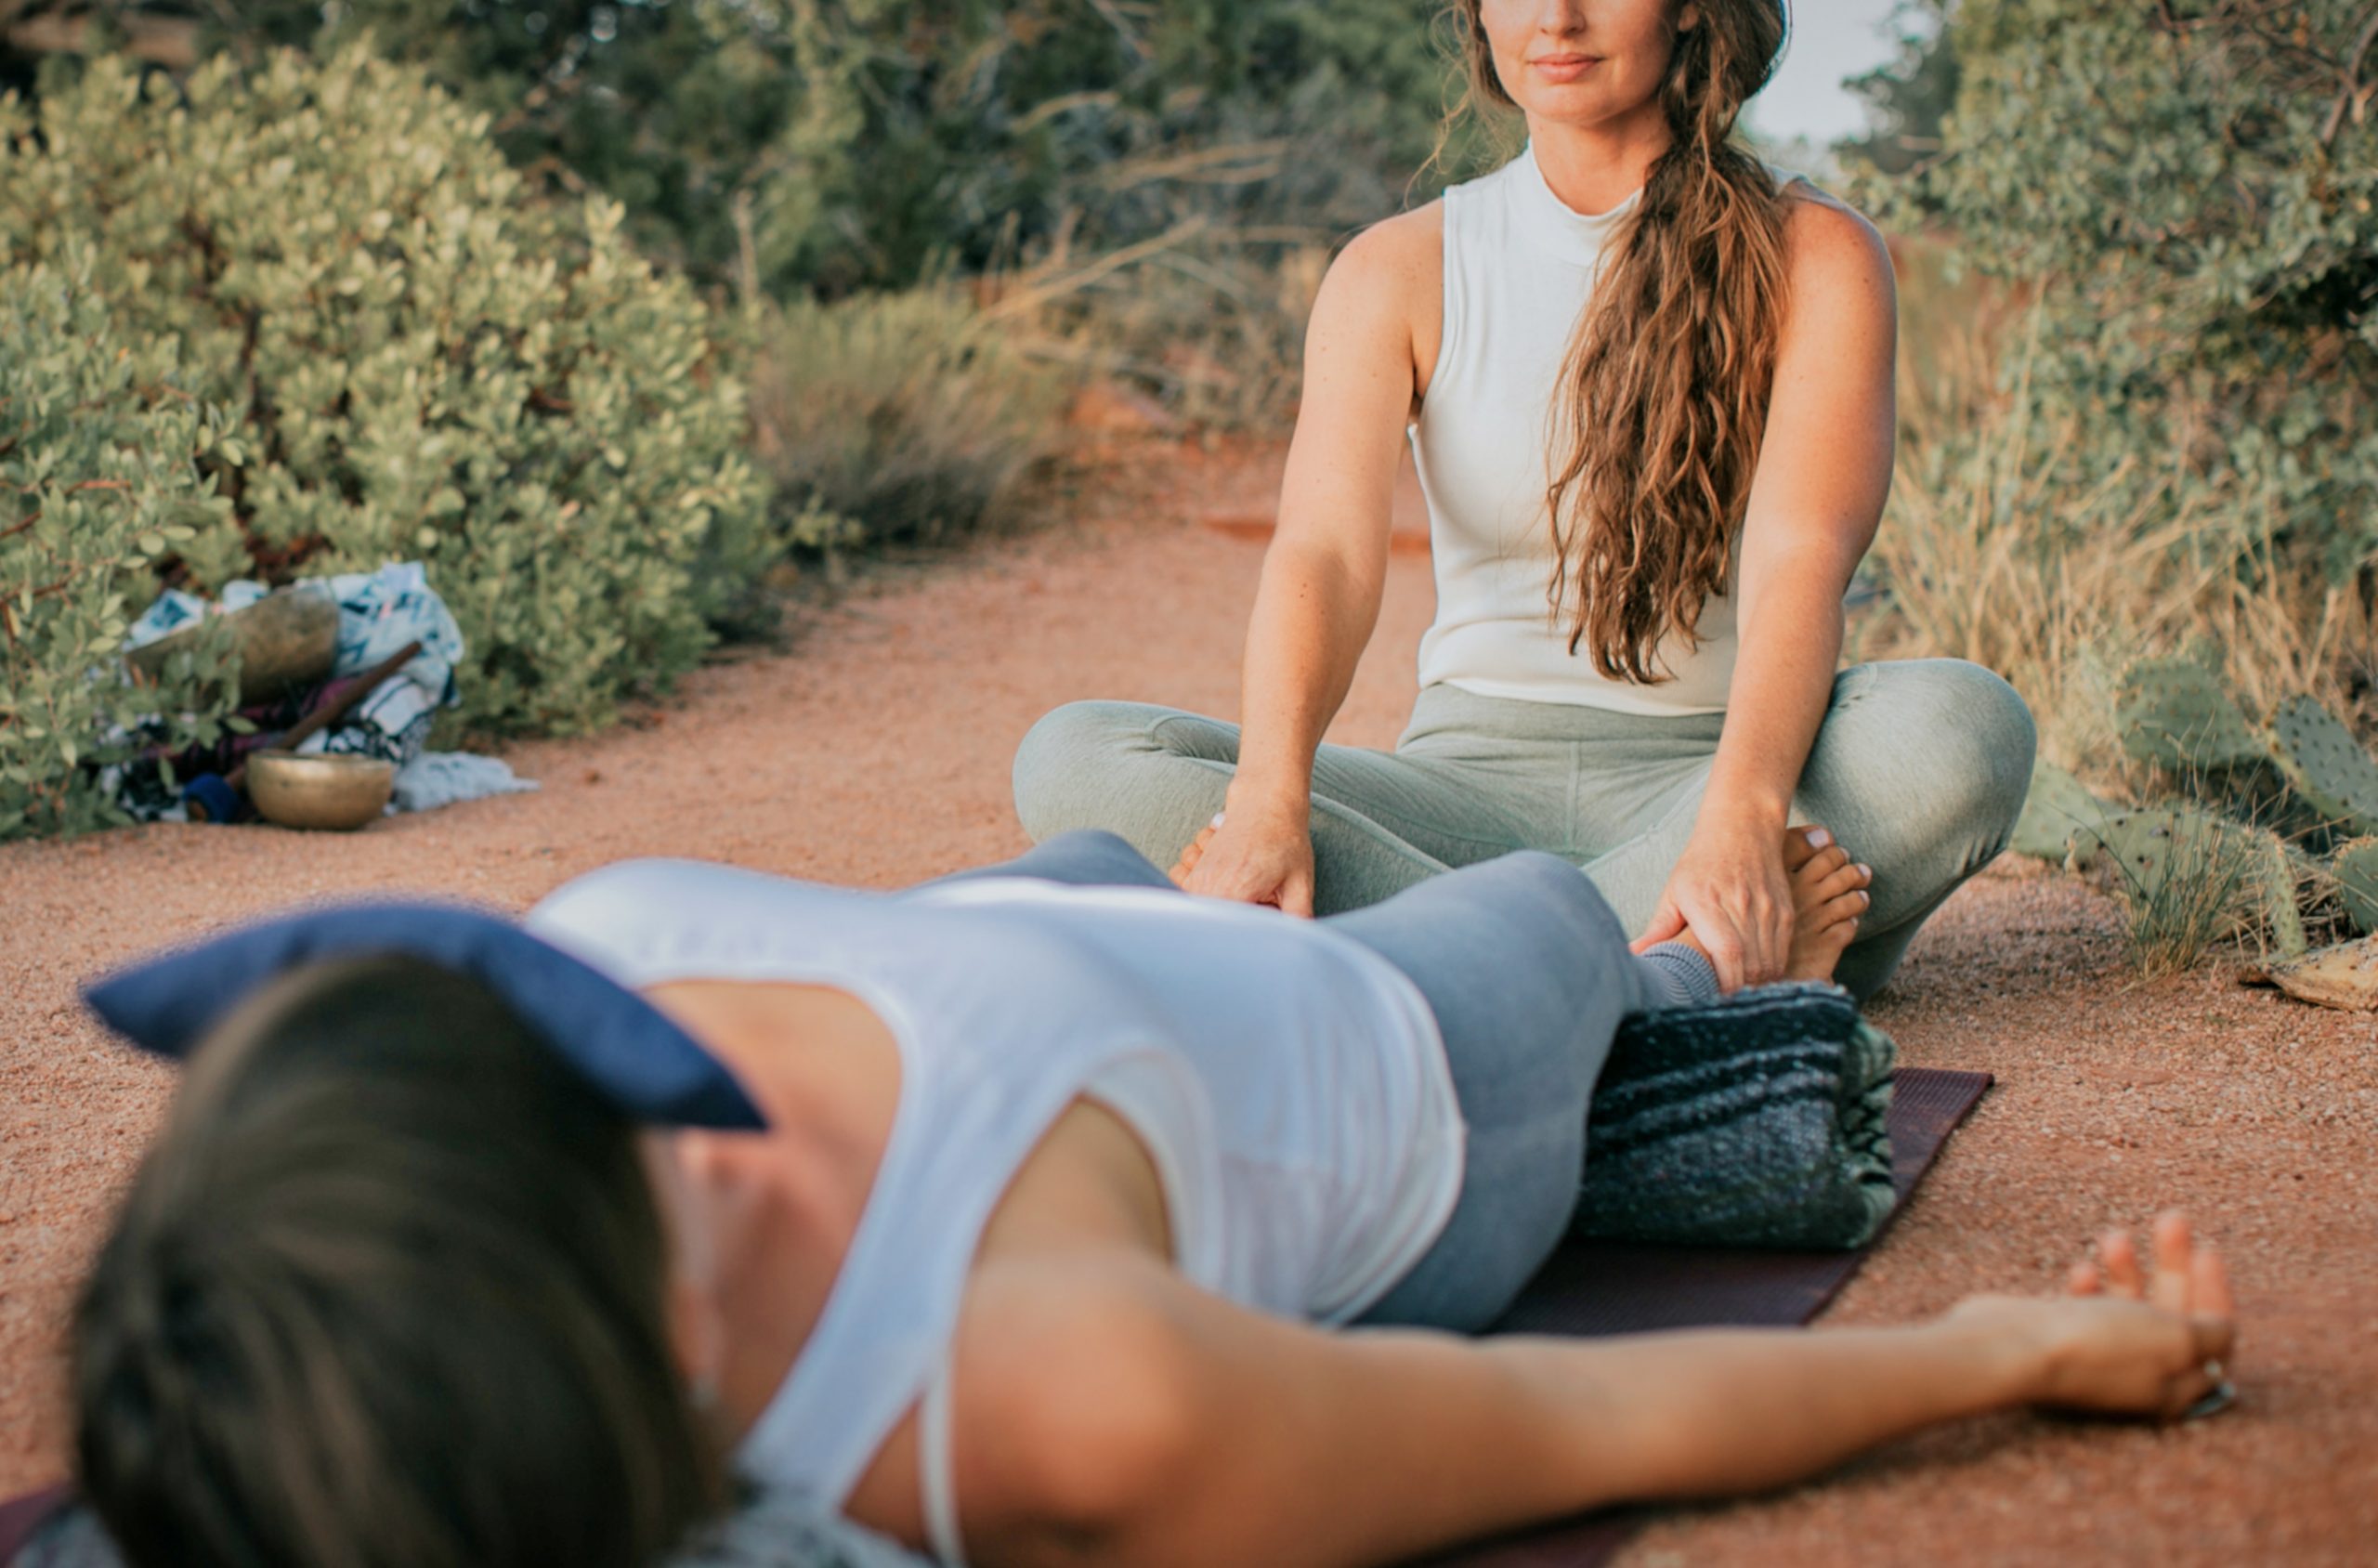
x,y
287,641
336,793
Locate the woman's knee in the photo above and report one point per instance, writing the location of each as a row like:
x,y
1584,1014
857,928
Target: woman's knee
x,y
1949,738
1065,759
1996,733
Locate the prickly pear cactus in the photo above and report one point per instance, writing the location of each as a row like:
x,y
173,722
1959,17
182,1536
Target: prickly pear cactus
x,y
2281,894
2356,870
2059,806
2345,976
2153,857
2326,766
2173,712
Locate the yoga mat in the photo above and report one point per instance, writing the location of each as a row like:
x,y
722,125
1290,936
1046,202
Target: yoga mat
x,y
1590,1289
1594,1288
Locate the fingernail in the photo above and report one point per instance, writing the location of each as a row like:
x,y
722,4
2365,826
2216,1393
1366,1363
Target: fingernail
x,y
1819,838
1866,872
1217,821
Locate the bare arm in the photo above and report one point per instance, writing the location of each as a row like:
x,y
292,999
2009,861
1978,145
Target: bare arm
x,y
1323,578
1824,473
1173,1427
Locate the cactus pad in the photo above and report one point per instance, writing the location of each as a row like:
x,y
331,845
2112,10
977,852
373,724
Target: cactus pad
x,y
2173,712
2326,766
2356,870
2343,976
2151,856
2057,807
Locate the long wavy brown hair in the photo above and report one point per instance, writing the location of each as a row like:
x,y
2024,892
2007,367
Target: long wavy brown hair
x,y
1663,395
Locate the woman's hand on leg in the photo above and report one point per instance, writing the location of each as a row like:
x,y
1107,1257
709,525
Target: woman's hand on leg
x,y
1259,855
1731,891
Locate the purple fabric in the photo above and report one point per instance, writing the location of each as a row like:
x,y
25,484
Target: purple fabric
x,y
22,1517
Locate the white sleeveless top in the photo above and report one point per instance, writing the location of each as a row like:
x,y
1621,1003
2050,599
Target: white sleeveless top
x,y
1520,265
1290,1086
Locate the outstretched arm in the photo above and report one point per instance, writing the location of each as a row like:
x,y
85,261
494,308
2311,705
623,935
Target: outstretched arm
x,y
1175,1429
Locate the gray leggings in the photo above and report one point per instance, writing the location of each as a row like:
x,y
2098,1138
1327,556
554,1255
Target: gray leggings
x,y
1920,770
1528,974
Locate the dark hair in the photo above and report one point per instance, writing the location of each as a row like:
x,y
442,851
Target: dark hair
x,y
1663,397
388,1290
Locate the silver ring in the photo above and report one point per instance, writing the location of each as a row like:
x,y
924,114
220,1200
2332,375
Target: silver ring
x,y
2220,1397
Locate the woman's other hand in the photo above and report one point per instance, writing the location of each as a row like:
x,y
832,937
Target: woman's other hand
x,y
1732,892
2123,1343
1253,856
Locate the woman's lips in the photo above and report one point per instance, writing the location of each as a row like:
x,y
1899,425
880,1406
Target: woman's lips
x,y
1565,68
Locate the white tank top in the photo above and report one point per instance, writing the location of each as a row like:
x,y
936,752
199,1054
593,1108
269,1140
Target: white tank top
x,y
1519,267
1290,1086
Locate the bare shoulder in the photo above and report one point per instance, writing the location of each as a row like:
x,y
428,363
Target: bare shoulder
x,y
1406,247
1836,256
1391,268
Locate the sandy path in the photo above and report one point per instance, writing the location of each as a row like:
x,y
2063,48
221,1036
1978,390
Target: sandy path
x,y
877,751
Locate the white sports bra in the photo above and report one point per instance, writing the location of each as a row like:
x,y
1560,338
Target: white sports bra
x,y
1289,1084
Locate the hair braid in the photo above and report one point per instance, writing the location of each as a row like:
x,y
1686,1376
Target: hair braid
x,y
1654,435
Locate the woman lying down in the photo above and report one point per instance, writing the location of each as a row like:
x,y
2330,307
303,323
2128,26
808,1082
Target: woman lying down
x,y
1020,1222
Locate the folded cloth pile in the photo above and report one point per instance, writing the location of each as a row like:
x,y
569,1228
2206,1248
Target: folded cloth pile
x,y
379,612
1758,1120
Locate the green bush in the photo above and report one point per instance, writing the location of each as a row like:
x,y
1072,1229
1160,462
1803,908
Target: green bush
x,y
97,485
907,416
424,362
2193,189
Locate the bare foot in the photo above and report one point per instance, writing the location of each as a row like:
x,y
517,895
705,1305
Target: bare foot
x,y
1195,853
1828,894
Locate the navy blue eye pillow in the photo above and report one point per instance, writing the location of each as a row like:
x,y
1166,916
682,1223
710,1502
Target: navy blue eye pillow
x,y
647,1065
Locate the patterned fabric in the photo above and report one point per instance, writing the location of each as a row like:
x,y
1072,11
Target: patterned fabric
x,y
1757,1121
379,612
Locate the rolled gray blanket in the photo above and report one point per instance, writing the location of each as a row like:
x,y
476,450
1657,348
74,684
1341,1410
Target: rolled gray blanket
x,y
1756,1121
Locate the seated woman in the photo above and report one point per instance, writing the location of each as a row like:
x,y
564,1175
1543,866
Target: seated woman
x,y
1041,1215
1647,383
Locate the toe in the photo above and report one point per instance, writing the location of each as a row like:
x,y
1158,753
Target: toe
x,y
1800,844
1843,881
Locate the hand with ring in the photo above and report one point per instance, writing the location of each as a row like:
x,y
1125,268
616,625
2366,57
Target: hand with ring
x,y
2124,1342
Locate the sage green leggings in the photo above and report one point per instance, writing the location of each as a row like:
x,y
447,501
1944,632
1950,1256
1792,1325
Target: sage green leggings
x,y
1919,771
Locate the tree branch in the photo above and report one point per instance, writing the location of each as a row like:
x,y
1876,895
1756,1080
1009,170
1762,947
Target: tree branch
x,y
2354,95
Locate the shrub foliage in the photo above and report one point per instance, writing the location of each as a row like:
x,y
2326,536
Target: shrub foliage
x,y
424,361
904,417
2193,187
869,142
97,484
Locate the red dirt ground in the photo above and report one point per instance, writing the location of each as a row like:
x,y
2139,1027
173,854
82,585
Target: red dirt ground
x,y
876,751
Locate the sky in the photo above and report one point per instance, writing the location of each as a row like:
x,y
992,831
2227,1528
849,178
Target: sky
x,y
1831,39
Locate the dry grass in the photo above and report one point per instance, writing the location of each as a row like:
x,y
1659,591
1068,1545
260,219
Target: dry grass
x,y
908,417
1208,320
1987,555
